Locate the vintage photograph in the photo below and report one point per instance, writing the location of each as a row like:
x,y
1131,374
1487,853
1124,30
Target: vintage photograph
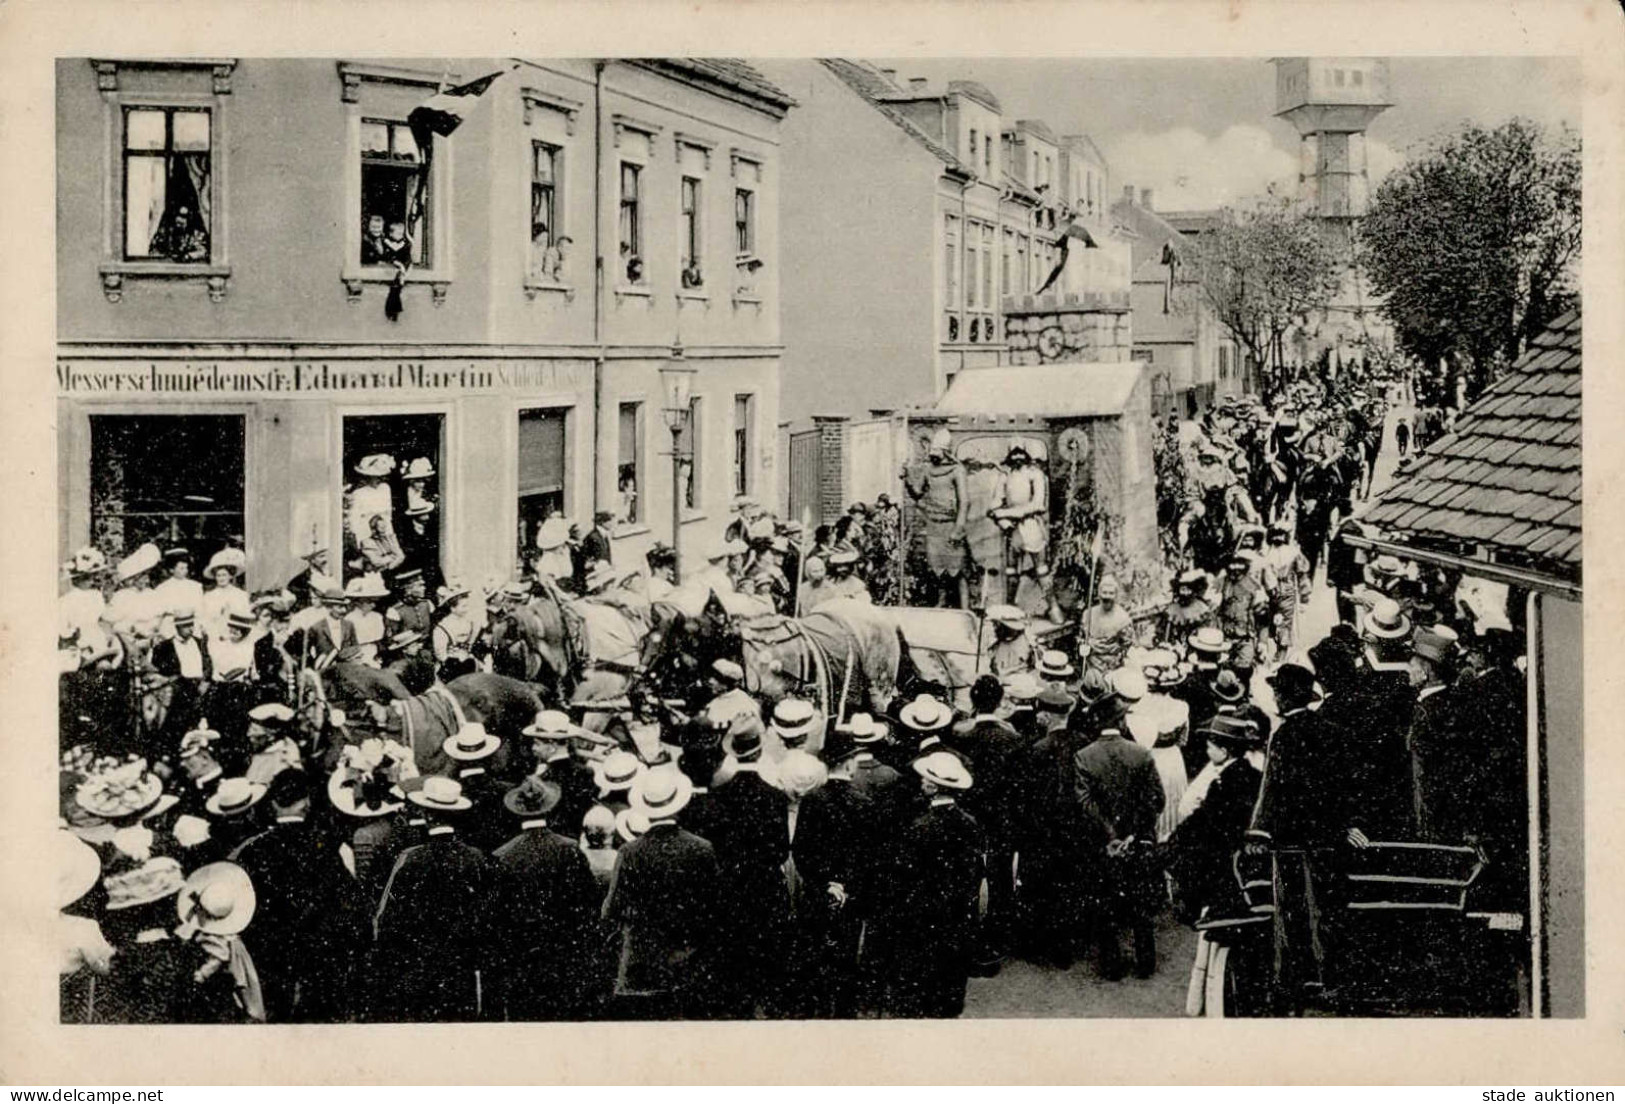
x,y
686,538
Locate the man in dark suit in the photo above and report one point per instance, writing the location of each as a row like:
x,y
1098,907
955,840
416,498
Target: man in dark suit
x,y
702,756
1117,786
1376,758
992,748
431,927
184,659
553,740
892,794
310,922
473,754
929,932
597,544
1205,842
666,896
1054,855
545,914
752,840
835,849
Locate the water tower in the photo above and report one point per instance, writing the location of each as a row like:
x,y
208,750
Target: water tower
x,y
1331,102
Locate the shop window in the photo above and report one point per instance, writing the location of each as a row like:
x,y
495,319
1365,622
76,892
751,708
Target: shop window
x,y
693,242
744,426
168,170
170,479
548,239
542,469
394,196
690,445
631,226
392,522
629,473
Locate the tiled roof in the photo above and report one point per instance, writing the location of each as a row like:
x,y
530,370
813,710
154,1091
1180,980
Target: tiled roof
x,y
733,73
869,83
1151,231
1508,479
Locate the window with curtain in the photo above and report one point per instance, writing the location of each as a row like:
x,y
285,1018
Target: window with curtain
x,y
744,420
693,245
745,222
629,470
394,194
631,226
168,168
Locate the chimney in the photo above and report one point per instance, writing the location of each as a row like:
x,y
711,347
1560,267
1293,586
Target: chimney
x,y
889,74
917,84
1145,199
1128,192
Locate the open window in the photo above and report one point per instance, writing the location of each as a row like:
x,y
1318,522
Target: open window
x,y
629,473
396,223
393,512
168,174
173,479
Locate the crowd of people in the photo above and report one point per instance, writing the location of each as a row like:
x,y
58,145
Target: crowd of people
x,y
254,829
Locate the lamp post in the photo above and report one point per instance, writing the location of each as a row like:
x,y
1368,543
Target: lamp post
x,y
677,382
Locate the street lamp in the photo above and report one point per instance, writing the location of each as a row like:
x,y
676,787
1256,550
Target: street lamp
x,y
677,381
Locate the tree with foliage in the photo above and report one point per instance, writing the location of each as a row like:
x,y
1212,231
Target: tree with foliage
x,y
1475,245
1264,269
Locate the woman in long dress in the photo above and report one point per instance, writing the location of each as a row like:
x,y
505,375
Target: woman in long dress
x,y
1160,725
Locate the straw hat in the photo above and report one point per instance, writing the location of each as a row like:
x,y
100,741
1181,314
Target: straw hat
x,y
470,742
379,464
1386,621
1228,689
943,768
234,796
1007,615
926,714
794,720
1022,686
864,729
218,899
151,881
534,797
139,562
232,559
440,794
662,793
370,585
1128,684
552,533
1208,639
616,772
1054,664
419,468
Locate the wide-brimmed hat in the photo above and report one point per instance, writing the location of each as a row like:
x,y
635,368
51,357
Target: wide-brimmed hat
x,y
552,533
272,714
616,771
943,768
370,585
1385,620
78,868
1292,678
379,464
843,554
440,794
728,671
419,508
661,793
450,592
124,791
234,796
1055,664
419,468
1128,684
217,899
343,790
1192,578
1232,731
1436,643
1022,686
153,880
926,714
794,720
404,639
471,742
1388,566
1227,687
1208,639
534,797
88,561
231,559
864,729
139,562
1006,615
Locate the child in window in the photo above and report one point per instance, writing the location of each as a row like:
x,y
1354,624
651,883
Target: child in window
x,y
372,241
396,251
691,275
541,252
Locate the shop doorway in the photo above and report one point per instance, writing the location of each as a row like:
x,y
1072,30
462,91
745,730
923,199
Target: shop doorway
x,y
541,472
393,513
172,479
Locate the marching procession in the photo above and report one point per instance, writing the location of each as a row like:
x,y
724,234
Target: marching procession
x,y
735,785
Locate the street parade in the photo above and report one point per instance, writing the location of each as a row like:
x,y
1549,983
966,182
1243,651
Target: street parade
x,y
664,579
761,787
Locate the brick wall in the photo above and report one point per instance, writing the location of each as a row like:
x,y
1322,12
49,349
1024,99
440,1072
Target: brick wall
x,y
832,464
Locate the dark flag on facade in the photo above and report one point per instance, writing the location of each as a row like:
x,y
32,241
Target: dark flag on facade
x,y
443,112
1072,230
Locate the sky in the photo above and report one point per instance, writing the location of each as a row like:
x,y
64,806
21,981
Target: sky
x,y
1200,132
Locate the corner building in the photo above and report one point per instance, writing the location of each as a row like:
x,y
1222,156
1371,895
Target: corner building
x,y
224,351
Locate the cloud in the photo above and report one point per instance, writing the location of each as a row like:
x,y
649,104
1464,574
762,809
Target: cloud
x,y
1188,170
